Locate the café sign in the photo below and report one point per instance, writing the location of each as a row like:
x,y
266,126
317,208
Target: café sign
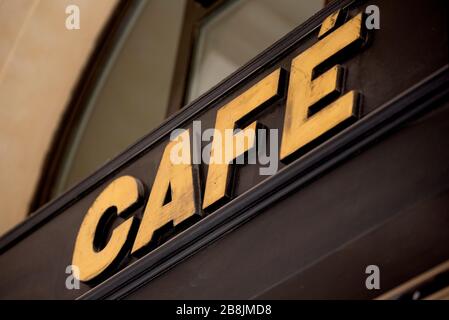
x,y
315,105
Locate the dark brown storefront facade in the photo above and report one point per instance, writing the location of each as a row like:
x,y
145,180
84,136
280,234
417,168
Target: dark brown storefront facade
x,y
367,186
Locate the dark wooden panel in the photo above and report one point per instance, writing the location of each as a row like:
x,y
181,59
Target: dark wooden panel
x,y
386,206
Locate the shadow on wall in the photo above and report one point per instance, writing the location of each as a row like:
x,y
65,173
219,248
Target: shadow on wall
x,y
40,62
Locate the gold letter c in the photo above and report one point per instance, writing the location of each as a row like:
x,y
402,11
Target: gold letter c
x,y
123,193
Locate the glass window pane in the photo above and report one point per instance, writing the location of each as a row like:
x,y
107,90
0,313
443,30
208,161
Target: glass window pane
x,y
240,31
131,97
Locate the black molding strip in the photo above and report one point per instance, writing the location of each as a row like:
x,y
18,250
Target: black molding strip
x,y
221,90
392,114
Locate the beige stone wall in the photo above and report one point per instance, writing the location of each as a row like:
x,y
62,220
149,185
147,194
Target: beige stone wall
x,y
40,62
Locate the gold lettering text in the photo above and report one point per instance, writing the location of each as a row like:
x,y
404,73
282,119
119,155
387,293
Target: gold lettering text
x,y
119,196
218,172
172,196
304,92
